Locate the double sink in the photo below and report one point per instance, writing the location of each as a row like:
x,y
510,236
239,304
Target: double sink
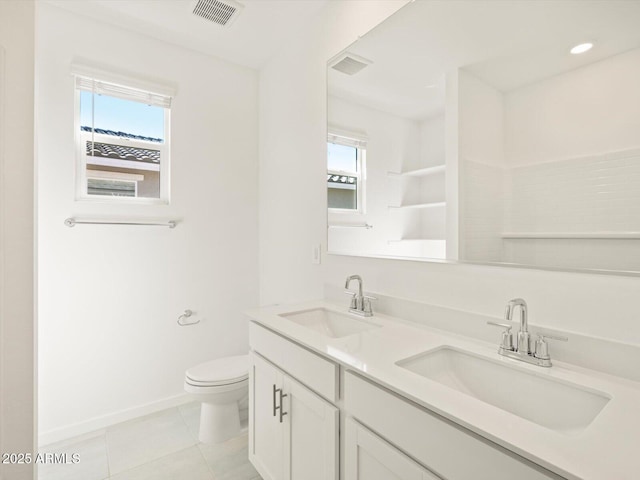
x,y
535,396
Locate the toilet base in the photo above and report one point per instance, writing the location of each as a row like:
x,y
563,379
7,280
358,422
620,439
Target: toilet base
x,y
219,422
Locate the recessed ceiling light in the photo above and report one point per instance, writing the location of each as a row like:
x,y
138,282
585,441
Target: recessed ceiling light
x,y
583,47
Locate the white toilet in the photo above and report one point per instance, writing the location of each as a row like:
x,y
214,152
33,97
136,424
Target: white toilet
x,y
220,385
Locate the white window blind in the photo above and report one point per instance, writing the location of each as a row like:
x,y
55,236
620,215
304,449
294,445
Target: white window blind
x,y
126,93
348,141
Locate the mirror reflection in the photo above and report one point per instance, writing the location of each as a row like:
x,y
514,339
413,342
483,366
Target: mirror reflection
x,y
491,132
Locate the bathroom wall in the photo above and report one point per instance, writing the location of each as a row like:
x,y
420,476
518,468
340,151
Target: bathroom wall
x,y
391,140
481,139
110,296
573,150
586,111
598,305
293,128
17,350
570,165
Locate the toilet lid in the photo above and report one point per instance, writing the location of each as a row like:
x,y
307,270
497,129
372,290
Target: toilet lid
x,y
221,371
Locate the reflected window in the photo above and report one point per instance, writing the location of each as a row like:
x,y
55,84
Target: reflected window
x,y
345,179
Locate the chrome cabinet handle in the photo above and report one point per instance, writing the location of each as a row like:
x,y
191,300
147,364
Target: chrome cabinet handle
x,y
275,408
278,407
282,412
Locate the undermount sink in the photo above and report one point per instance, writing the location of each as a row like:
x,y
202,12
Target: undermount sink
x,y
329,323
559,406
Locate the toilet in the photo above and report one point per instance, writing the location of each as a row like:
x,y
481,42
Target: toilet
x,y
220,385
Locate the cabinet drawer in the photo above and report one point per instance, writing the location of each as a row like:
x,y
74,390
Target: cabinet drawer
x,y
317,373
447,449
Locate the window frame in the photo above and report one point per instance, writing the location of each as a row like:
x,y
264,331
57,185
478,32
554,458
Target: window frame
x,y
358,142
81,137
115,176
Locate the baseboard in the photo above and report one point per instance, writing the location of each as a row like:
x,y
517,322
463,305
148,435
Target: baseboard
x,y
98,423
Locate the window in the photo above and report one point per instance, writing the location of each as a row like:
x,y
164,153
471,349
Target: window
x,y
345,173
123,140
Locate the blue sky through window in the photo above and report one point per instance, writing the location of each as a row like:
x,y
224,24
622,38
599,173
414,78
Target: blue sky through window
x,y
120,115
342,158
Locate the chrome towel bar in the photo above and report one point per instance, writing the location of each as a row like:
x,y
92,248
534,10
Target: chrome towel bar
x,y
348,225
72,222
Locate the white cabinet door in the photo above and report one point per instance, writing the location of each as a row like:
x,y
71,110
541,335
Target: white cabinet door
x,y
368,457
266,440
311,438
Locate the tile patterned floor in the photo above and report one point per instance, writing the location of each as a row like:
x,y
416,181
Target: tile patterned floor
x,y
162,446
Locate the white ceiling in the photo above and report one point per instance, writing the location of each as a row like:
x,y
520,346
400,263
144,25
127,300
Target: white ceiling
x,y
255,36
508,44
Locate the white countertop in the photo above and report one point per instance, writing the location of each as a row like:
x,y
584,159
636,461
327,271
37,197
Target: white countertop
x,y
608,449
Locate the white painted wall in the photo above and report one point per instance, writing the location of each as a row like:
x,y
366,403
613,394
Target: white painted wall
x,y
481,150
588,111
392,141
110,296
598,305
575,135
293,129
17,352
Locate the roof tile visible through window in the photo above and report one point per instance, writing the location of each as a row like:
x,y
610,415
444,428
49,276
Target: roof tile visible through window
x,y
109,150
332,178
122,134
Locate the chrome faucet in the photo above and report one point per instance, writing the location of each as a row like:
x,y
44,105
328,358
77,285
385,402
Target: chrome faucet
x,y
524,343
360,303
522,350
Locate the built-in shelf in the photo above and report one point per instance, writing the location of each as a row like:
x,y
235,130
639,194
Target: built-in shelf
x,y
419,205
421,172
350,225
572,235
407,240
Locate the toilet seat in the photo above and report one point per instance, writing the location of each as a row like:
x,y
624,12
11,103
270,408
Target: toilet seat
x,y
219,372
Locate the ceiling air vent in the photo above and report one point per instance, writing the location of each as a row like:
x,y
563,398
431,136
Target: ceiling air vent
x,y
349,63
221,12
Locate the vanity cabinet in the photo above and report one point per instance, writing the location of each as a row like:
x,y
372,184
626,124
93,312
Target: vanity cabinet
x,y
266,433
295,405
448,450
293,432
369,457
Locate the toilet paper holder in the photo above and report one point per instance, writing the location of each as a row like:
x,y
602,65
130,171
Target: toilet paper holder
x,y
183,319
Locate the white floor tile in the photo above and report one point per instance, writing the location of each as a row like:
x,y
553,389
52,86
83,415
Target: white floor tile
x,y
230,460
161,446
92,465
135,443
191,415
187,464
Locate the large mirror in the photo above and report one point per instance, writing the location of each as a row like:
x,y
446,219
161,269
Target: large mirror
x,y
491,132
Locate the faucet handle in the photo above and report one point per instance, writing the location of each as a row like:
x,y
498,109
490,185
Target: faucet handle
x,y
354,300
542,347
508,326
366,303
507,337
562,338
